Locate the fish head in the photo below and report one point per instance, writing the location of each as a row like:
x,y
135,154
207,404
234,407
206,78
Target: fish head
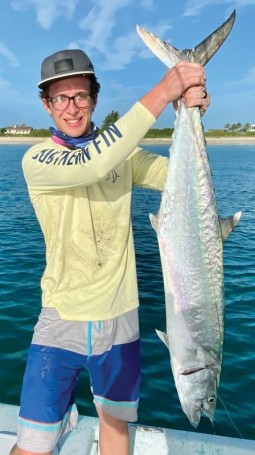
x,y
198,393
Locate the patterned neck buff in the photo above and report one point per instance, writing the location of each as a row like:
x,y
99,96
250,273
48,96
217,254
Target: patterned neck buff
x,y
73,142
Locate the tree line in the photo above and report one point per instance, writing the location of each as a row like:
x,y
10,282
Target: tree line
x,y
113,116
238,127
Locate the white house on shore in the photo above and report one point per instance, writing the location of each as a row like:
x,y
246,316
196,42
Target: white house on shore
x,y
252,127
18,129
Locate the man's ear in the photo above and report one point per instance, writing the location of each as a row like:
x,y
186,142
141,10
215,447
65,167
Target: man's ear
x,y
94,102
46,105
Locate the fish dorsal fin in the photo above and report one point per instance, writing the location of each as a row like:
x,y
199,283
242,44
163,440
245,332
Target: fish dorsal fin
x,y
163,337
154,221
228,224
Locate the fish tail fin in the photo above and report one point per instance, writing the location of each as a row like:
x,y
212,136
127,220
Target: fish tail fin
x,y
206,50
202,53
227,225
163,337
168,54
154,221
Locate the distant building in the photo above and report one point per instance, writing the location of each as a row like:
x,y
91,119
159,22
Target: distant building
x,y
252,127
18,129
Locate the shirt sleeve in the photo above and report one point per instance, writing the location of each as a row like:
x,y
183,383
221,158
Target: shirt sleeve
x,y
149,169
50,166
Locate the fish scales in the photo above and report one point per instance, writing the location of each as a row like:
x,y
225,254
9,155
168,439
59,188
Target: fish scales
x,y
190,223
187,224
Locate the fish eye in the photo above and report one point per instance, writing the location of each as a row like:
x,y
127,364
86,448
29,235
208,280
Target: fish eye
x,y
211,400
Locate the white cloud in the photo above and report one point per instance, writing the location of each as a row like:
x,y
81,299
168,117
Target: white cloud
x,y
117,53
4,86
122,52
147,4
161,29
47,11
194,7
100,25
103,17
246,81
9,55
100,22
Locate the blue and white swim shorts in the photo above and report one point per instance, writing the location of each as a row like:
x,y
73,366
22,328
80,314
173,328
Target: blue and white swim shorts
x,y
60,349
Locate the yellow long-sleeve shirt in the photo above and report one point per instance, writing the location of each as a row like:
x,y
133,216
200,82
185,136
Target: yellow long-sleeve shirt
x,y
82,200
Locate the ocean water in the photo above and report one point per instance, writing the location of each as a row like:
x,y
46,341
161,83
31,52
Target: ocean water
x,y
22,263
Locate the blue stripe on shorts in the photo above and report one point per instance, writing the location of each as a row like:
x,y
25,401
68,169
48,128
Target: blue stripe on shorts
x,y
50,427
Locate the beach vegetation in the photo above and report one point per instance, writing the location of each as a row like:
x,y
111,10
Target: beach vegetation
x,y
237,127
156,133
218,133
42,132
229,130
111,118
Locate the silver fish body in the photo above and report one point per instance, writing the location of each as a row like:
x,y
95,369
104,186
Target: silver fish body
x,y
190,236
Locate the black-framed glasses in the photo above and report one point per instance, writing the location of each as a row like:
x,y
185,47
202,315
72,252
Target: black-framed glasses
x,y
61,102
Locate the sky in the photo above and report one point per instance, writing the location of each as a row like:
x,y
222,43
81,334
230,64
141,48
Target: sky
x,y
106,30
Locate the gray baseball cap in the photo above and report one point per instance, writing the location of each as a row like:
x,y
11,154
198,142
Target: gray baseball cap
x,y
62,64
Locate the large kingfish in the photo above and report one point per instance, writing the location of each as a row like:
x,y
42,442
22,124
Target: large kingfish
x,y
190,235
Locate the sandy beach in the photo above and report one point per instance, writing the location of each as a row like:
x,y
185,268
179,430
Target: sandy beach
x,y
21,140
209,140
154,141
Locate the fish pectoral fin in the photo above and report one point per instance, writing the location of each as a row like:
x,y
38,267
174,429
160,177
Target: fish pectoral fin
x,y
163,337
154,221
228,224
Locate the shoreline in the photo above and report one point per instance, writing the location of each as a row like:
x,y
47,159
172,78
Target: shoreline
x,y
146,141
209,140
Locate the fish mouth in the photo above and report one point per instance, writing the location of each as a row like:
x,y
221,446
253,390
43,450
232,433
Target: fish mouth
x,y
207,409
197,393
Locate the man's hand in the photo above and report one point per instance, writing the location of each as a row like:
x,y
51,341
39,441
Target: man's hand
x,y
183,76
196,97
175,83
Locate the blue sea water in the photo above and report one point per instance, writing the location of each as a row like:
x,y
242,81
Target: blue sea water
x,y
22,261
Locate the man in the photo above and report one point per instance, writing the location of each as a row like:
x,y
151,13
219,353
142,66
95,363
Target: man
x,y
80,185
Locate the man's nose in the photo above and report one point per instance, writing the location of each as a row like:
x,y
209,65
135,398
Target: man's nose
x,y
72,108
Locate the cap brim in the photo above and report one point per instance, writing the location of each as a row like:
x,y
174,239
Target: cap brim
x,y
44,83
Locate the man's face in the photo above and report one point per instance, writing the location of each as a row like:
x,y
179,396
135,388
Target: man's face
x,y
73,121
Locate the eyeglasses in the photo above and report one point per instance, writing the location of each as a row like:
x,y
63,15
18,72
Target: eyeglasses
x,y
61,102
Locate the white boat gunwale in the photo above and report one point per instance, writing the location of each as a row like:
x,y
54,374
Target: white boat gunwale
x,y
144,439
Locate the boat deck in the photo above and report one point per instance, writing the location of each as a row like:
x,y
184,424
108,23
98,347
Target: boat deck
x,y
144,440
